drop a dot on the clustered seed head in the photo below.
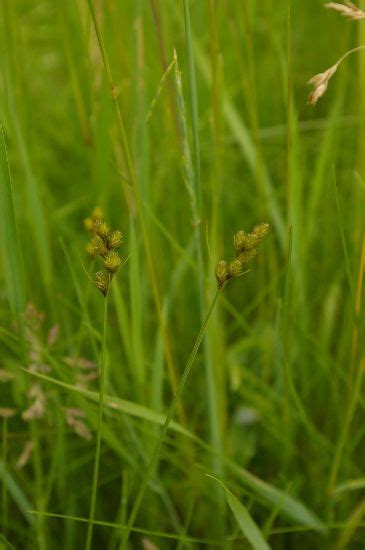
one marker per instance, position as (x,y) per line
(115,239)
(235,268)
(102,281)
(245,249)
(112,261)
(89,223)
(247,256)
(244,241)
(98,246)
(261,230)
(102,229)
(221,272)
(103,243)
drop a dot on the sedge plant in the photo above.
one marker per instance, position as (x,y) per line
(245,251)
(103,243)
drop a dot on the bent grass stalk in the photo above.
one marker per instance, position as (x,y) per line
(99,431)
(320,80)
(153,460)
(245,252)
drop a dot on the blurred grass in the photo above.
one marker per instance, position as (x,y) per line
(277,392)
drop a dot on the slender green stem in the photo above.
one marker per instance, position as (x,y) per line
(355,396)
(153,460)
(99,430)
(4,488)
(357,49)
(343,238)
(193,101)
(212,377)
(139,208)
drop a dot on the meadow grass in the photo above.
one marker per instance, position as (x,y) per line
(185,121)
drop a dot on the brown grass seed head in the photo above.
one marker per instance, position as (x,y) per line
(320,84)
(348,10)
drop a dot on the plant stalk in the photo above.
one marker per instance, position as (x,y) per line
(99,430)
(153,460)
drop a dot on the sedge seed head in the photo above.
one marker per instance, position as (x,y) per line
(221,273)
(103,243)
(112,261)
(102,281)
(98,246)
(115,239)
(244,241)
(102,229)
(261,230)
(235,268)
(247,256)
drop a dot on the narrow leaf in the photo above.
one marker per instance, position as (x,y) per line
(244,519)
(9,236)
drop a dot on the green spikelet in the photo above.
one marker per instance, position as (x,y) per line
(115,239)
(102,229)
(102,281)
(103,243)
(261,230)
(245,249)
(221,273)
(98,246)
(112,261)
(244,241)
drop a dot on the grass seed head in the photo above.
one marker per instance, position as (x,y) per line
(102,229)
(97,246)
(96,217)
(348,10)
(244,241)
(320,84)
(221,273)
(260,231)
(102,282)
(247,256)
(245,248)
(115,239)
(235,268)
(103,244)
(112,261)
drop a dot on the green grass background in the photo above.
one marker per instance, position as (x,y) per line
(276,389)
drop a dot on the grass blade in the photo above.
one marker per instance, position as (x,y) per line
(12,260)
(244,519)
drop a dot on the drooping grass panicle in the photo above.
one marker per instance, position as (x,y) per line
(320,81)
(320,84)
(348,10)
